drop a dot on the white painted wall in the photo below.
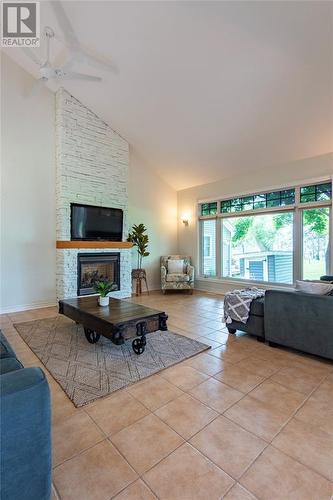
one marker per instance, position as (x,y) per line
(154,203)
(28,215)
(260,180)
(27,192)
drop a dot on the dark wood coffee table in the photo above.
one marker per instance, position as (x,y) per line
(118,322)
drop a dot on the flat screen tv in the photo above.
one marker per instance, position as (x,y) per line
(96,223)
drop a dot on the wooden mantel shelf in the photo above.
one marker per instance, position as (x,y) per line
(93,244)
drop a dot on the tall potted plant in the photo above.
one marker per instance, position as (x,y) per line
(140,240)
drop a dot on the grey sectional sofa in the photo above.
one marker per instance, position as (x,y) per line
(300,320)
(293,319)
(255,323)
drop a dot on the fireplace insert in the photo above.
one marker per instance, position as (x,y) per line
(93,267)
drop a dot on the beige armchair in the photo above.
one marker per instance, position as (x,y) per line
(183,279)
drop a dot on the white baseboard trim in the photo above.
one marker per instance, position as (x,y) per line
(152,288)
(223,286)
(41,304)
(26,307)
(210,287)
(199,285)
(156,288)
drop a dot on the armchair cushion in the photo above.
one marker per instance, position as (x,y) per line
(178,277)
(165,258)
(175,266)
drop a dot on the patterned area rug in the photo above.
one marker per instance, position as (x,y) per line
(86,371)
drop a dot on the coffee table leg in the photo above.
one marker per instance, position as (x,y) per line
(163,322)
(91,336)
(139,344)
(117,336)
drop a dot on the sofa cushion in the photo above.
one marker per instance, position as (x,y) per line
(9,365)
(5,349)
(257,307)
(177,277)
(326,278)
(314,287)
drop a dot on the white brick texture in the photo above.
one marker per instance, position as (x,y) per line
(91,168)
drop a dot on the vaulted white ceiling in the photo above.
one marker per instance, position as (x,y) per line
(206,90)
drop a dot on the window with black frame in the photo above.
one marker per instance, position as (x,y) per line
(259,201)
(276,236)
(316,192)
(209,208)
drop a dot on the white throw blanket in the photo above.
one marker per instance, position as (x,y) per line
(238,302)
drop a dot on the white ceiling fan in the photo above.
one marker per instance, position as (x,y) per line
(77,53)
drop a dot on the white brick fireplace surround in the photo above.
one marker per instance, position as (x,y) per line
(92,168)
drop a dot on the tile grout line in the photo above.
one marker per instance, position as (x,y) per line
(252,433)
(281,429)
(294,416)
(109,438)
(268,443)
(95,444)
(140,478)
(215,418)
(246,430)
(78,454)
(185,441)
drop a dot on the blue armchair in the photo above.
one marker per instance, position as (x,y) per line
(25,429)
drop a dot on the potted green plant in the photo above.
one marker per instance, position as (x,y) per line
(103,288)
(140,240)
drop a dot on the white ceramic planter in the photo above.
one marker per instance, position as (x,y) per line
(103,301)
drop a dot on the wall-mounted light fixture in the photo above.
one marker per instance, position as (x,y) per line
(185,219)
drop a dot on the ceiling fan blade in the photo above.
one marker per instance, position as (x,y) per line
(31,54)
(72,57)
(95,61)
(64,22)
(61,60)
(72,75)
(81,54)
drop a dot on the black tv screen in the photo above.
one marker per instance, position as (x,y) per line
(96,223)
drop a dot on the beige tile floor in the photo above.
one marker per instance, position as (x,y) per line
(239,422)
